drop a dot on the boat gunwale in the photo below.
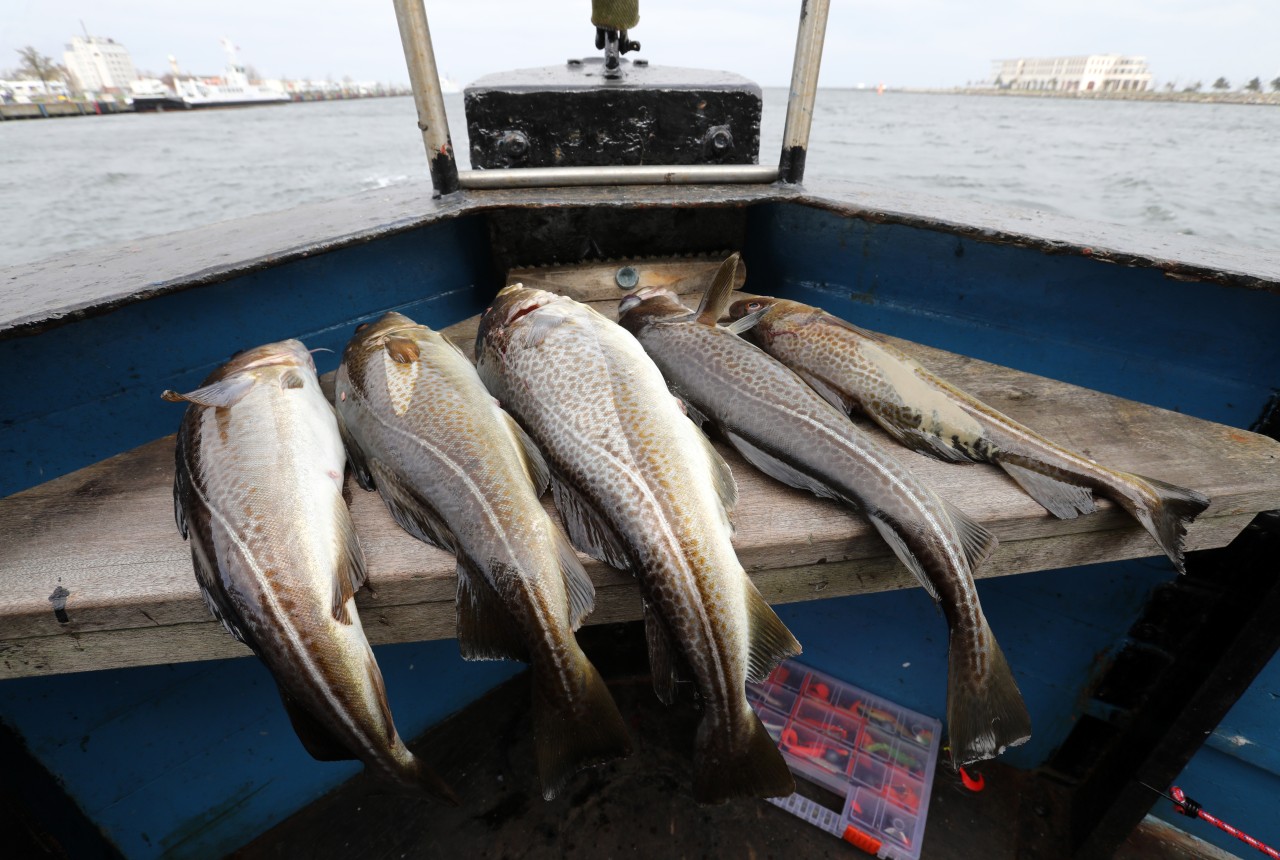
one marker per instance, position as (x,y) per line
(95,277)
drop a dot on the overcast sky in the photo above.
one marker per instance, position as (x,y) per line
(915,43)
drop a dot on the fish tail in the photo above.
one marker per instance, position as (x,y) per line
(1165,510)
(743,763)
(985,711)
(411,774)
(426,779)
(572,734)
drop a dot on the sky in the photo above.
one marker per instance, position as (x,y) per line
(901,43)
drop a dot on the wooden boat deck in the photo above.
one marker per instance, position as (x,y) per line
(93,573)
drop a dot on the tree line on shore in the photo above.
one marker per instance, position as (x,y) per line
(1254,85)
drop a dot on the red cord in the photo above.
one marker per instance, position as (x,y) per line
(1189,807)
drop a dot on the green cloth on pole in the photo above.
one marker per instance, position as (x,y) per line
(615,14)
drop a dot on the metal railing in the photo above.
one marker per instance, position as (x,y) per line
(415,35)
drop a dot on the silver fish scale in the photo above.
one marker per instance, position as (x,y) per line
(603,416)
(266,476)
(433,423)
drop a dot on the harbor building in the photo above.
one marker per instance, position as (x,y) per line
(1092,73)
(99,65)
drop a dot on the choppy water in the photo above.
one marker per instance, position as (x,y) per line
(1209,170)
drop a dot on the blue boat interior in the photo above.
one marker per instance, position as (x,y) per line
(195,759)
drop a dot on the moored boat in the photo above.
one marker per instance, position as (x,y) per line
(232,89)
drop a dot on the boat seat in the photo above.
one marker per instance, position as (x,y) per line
(94,575)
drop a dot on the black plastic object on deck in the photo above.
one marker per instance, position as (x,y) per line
(574,116)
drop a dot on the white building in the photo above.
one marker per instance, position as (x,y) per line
(98,64)
(1094,73)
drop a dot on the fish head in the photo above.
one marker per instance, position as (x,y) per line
(515,308)
(391,334)
(648,305)
(772,316)
(375,336)
(372,335)
(284,353)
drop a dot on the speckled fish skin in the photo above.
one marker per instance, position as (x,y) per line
(862,371)
(258,490)
(780,424)
(600,411)
(421,427)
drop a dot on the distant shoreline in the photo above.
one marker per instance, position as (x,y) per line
(1231,97)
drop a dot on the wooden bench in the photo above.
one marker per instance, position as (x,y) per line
(93,573)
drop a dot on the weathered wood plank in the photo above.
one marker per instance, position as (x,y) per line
(82,648)
(105,535)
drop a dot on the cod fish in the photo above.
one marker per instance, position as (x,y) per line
(258,490)
(860,371)
(640,488)
(781,426)
(456,471)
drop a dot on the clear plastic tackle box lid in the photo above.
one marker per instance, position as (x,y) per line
(864,765)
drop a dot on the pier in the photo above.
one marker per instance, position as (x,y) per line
(47,110)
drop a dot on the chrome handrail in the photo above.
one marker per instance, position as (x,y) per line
(415,36)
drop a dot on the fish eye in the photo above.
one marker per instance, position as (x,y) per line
(754,306)
(362,327)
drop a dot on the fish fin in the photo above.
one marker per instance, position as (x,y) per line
(898,544)
(204,564)
(355,456)
(744,324)
(223,394)
(978,542)
(318,740)
(577,585)
(695,414)
(1168,518)
(403,350)
(778,470)
(351,573)
(721,479)
(534,464)
(181,483)
(541,326)
(292,379)
(985,713)
(716,299)
(830,393)
(432,784)
(662,655)
(588,530)
(731,764)
(410,512)
(575,730)
(486,629)
(926,443)
(219,607)
(770,640)
(1060,498)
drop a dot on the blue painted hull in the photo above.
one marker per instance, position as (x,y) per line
(195,759)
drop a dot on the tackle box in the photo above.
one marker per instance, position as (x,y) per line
(864,766)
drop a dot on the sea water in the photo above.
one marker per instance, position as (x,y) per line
(1201,169)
